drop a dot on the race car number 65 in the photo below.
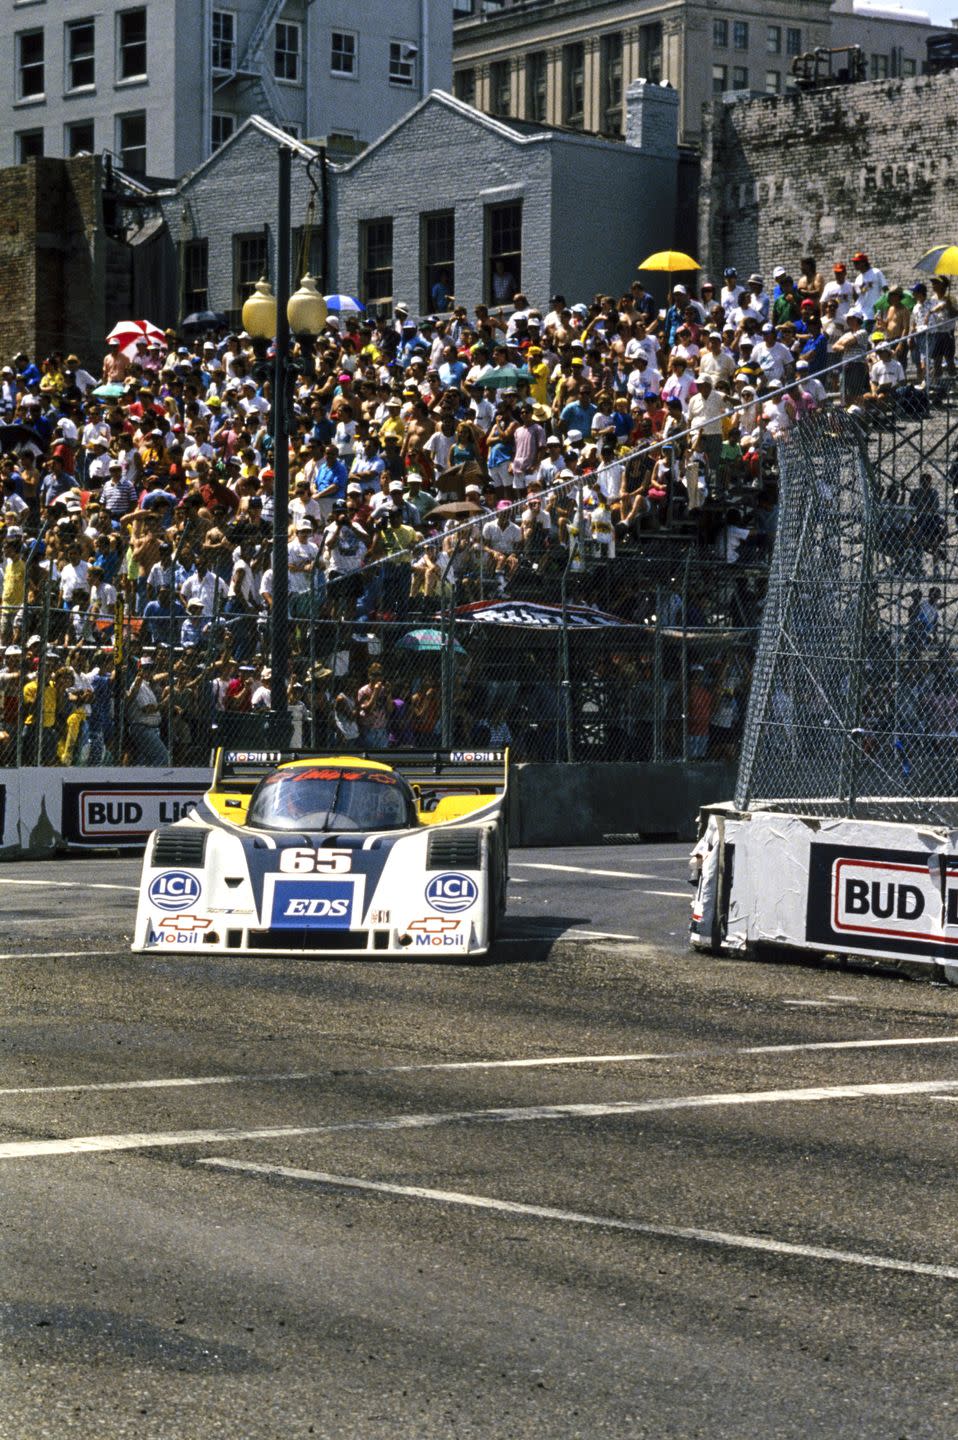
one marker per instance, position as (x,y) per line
(315,862)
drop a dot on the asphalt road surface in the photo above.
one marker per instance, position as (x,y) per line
(598,1187)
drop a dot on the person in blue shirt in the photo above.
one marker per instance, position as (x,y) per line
(332,476)
(323,428)
(815,348)
(156,617)
(452,368)
(578,414)
(441,295)
(27,372)
(675,314)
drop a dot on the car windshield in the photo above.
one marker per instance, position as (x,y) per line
(328,798)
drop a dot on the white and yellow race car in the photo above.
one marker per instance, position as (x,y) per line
(388,854)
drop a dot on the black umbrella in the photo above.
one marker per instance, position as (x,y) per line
(15,434)
(204,320)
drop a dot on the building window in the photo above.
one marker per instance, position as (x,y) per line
(402,62)
(464,86)
(250,263)
(30,71)
(131,141)
(79,54)
(342,53)
(773,82)
(224,41)
(223,126)
(720,34)
(650,52)
(78,138)
(196,276)
(610,72)
(132,44)
(376,249)
(573,85)
(773,40)
(504,251)
(439,261)
(739,78)
(500,94)
(719,79)
(740,34)
(793,41)
(879,67)
(908,67)
(29,145)
(286,52)
(536,91)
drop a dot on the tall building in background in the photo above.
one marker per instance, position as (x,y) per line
(569,62)
(162,84)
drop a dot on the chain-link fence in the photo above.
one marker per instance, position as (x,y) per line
(645,656)
(854,707)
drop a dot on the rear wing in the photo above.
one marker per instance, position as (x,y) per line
(434,774)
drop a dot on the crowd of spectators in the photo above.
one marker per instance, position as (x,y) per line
(475,454)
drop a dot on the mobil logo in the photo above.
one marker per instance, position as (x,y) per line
(451,893)
(174,890)
(314,905)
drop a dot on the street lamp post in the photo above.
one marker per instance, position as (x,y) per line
(271,317)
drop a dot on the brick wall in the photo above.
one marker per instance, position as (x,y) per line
(871,166)
(52,258)
(234,193)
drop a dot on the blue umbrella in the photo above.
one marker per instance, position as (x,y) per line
(110,392)
(343,305)
(423,640)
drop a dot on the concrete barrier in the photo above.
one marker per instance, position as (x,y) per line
(589,804)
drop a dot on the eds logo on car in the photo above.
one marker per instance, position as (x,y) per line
(451,893)
(174,890)
(313,906)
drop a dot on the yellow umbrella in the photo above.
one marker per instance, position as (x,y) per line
(939,260)
(671,260)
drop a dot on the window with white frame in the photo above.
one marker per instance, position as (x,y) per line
(342,53)
(78,138)
(376,249)
(793,41)
(131,141)
(222,127)
(739,77)
(30,66)
(773,82)
(773,42)
(131,43)
(79,48)
(719,79)
(286,52)
(402,62)
(224,41)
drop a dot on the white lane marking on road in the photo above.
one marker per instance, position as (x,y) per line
(182,1082)
(539,1062)
(144,1140)
(582,870)
(70,884)
(60,954)
(605,1222)
(818,1004)
(686,895)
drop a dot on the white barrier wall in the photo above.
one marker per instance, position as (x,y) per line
(43,810)
(859,887)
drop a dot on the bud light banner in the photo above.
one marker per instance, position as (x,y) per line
(124,814)
(894,902)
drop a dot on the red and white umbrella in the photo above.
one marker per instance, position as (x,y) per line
(128,332)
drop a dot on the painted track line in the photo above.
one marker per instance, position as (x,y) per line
(71,884)
(579,870)
(144,1140)
(604,1222)
(61,954)
(539,1062)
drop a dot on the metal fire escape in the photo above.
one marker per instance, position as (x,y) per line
(254,68)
